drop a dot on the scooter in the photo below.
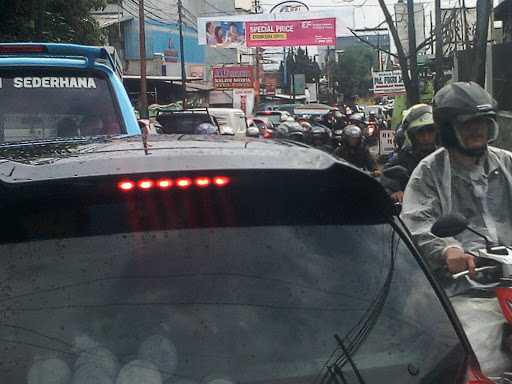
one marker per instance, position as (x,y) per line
(494,265)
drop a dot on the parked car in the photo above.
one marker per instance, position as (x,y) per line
(187,121)
(290,108)
(55,91)
(215,261)
(276,117)
(232,118)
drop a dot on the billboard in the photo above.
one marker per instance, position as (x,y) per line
(233,77)
(287,33)
(236,26)
(225,34)
(388,83)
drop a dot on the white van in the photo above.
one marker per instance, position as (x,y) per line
(232,118)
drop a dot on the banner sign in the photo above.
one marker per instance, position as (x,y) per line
(287,33)
(271,83)
(388,83)
(225,34)
(272,30)
(233,77)
(387,141)
(244,99)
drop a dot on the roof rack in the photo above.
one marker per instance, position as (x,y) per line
(90,53)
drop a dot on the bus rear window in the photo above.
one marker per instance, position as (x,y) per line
(42,105)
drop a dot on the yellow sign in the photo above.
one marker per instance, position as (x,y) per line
(268,36)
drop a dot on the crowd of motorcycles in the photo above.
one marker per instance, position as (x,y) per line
(330,132)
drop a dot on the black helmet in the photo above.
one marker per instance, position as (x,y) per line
(320,135)
(352,132)
(356,118)
(457,103)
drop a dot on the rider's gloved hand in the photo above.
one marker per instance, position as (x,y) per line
(458,261)
(398,197)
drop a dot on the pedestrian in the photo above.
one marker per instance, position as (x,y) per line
(474,179)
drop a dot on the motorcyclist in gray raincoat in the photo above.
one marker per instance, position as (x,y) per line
(469,177)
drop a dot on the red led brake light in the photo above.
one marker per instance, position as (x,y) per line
(146,184)
(184,182)
(221,181)
(202,182)
(17,49)
(163,184)
(126,185)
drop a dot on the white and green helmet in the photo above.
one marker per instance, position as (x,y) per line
(416,118)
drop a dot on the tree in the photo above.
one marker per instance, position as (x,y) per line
(353,71)
(299,62)
(50,20)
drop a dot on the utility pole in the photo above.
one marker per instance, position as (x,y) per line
(293,76)
(257,74)
(413,54)
(438,81)
(483,13)
(143,97)
(182,54)
(466,26)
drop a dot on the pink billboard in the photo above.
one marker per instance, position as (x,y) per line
(286,33)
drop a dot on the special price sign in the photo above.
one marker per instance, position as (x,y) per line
(286,33)
(236,77)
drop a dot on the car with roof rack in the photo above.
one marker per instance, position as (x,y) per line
(50,91)
(198,259)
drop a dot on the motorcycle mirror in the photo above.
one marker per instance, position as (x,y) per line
(450,225)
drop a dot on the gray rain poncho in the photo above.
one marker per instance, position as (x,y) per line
(483,194)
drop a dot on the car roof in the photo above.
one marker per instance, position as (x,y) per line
(167,153)
(55,55)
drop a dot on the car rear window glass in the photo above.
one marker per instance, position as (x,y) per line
(182,123)
(250,283)
(46,104)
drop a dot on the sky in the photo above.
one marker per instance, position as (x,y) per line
(364,13)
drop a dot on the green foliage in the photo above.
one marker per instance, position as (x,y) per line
(399,108)
(353,71)
(50,20)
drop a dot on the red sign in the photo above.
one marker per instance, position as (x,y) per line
(271,82)
(235,77)
(286,33)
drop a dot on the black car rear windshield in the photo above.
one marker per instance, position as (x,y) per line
(184,122)
(253,283)
(46,104)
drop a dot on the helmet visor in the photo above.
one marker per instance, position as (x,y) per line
(481,128)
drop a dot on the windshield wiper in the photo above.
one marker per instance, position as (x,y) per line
(334,372)
(350,361)
(50,142)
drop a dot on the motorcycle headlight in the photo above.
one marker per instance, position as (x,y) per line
(339,132)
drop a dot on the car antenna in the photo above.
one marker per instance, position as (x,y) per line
(145,132)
